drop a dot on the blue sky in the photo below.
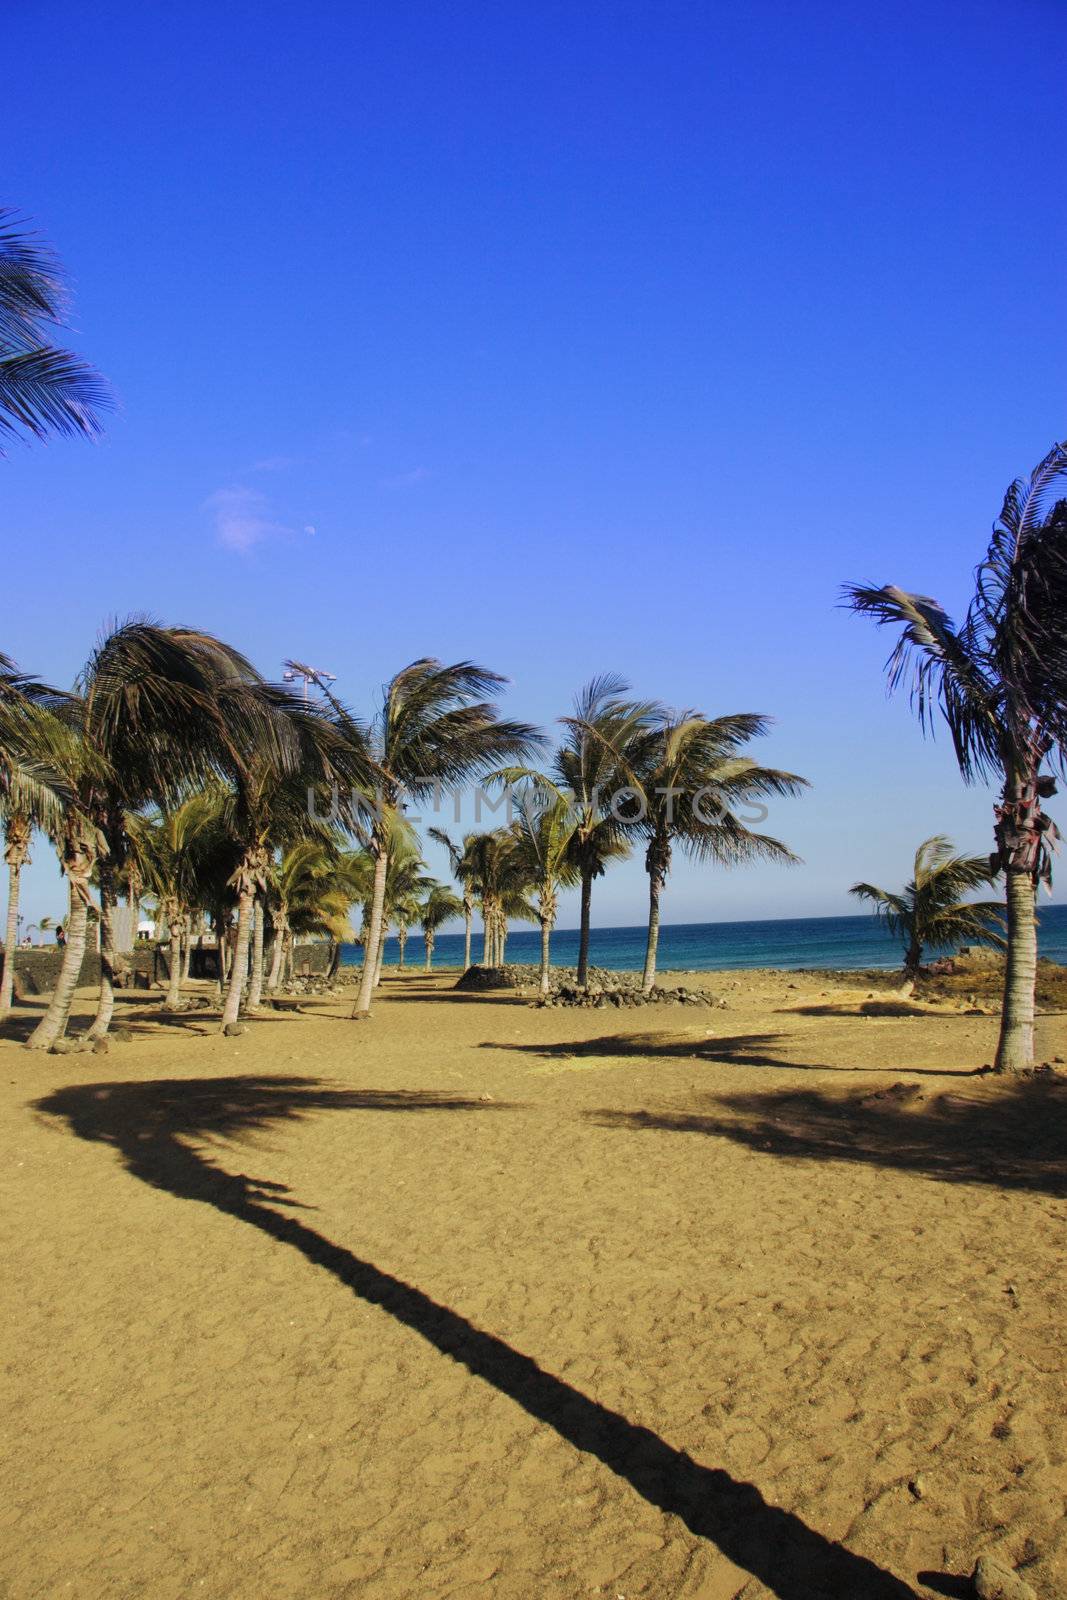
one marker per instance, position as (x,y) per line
(563,337)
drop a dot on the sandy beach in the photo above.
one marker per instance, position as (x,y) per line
(479,1300)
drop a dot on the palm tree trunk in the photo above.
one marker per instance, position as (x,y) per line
(913,956)
(428,938)
(53,1025)
(583,934)
(402,939)
(17,854)
(187,947)
(1015,1049)
(239,967)
(108,955)
(373,935)
(276,956)
(255,985)
(7,981)
(175,925)
(487,934)
(335,960)
(381,956)
(546,953)
(468,918)
(655,885)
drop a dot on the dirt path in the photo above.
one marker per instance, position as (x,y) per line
(475,1300)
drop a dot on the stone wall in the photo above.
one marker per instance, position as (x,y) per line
(36,970)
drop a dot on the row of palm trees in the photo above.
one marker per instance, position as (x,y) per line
(173,766)
(174,769)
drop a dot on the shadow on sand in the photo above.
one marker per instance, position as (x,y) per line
(736,1050)
(149,1124)
(1011,1135)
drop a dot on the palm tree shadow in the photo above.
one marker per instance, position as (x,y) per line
(1012,1137)
(149,1124)
(737,1050)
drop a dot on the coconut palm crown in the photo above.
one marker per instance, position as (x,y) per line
(930,912)
(688,782)
(44,389)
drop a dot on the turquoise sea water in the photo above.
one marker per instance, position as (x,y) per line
(709,946)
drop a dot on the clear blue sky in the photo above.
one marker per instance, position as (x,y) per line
(609,335)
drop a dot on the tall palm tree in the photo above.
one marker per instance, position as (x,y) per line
(437,728)
(591,765)
(439,906)
(457,859)
(687,780)
(930,910)
(44,389)
(544,830)
(999,682)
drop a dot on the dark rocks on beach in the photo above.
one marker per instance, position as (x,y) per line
(625,997)
(70,1047)
(616,989)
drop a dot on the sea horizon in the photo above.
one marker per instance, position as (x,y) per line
(785,943)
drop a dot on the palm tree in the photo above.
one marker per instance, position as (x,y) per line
(312,890)
(439,906)
(999,681)
(289,746)
(31,792)
(497,872)
(43,388)
(930,911)
(168,854)
(590,766)
(686,780)
(457,860)
(404,881)
(544,831)
(436,729)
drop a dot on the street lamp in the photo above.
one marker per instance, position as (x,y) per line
(308,675)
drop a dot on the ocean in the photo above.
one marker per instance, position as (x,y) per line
(787,943)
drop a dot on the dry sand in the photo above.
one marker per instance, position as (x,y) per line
(476,1300)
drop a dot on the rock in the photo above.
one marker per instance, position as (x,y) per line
(100,1047)
(66,1047)
(917,1485)
(233,1030)
(994,1582)
(121,1035)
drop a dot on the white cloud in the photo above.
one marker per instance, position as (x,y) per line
(242,517)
